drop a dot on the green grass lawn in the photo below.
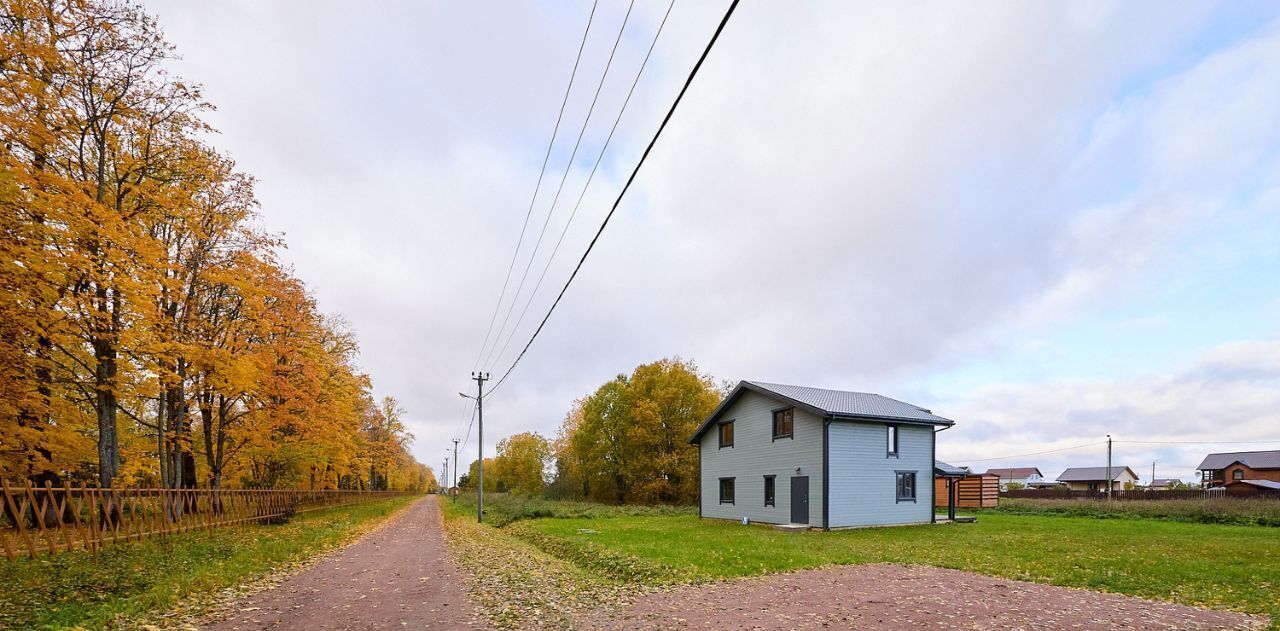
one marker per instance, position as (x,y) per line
(501,509)
(131,579)
(1231,567)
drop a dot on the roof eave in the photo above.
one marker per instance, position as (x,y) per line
(892,419)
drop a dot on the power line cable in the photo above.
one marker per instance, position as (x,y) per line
(590,177)
(1034,453)
(537,187)
(469,425)
(1200,442)
(666,119)
(568,167)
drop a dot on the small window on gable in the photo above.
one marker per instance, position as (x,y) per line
(892,447)
(1238,474)
(726,490)
(783,423)
(770,488)
(906,486)
(726,434)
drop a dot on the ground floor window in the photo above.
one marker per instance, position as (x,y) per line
(726,490)
(769,490)
(906,486)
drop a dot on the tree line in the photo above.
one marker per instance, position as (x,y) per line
(149,334)
(626,443)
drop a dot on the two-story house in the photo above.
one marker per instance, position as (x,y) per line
(783,454)
(1222,469)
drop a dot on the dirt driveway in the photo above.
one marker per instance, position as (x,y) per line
(398,577)
(886,596)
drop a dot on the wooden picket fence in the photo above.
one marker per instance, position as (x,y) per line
(58,519)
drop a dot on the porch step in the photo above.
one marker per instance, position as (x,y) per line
(791,527)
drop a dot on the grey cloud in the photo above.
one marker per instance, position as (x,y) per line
(852,195)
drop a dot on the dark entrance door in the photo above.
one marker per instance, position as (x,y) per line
(800,499)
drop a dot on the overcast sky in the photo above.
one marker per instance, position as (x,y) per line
(1047,221)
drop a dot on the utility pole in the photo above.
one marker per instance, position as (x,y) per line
(479,378)
(446,468)
(1108,467)
(1153,474)
(455,468)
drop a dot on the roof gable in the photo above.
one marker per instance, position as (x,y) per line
(835,403)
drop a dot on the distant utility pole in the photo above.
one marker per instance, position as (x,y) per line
(479,378)
(1108,467)
(1153,473)
(455,469)
(446,468)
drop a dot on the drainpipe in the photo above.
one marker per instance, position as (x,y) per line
(826,472)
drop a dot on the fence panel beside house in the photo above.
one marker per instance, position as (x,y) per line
(972,491)
(56,519)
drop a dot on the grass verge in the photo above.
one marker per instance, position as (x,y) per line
(517,584)
(129,580)
(1224,567)
(1239,512)
(501,509)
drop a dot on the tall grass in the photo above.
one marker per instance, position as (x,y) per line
(1241,512)
(501,509)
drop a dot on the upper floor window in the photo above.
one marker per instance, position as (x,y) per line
(892,446)
(726,434)
(783,423)
(1238,474)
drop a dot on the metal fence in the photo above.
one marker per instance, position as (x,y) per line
(1138,494)
(57,519)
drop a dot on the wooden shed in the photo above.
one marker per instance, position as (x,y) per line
(976,490)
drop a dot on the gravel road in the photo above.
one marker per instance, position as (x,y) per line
(398,577)
(886,596)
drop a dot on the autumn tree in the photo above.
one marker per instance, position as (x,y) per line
(521,463)
(147,332)
(628,444)
(470,479)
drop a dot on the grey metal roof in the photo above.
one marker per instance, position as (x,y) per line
(1251,459)
(862,404)
(1089,474)
(1015,473)
(947,470)
(1266,484)
(836,403)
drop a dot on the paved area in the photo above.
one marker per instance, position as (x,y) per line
(902,597)
(398,577)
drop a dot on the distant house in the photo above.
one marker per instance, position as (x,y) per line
(1238,466)
(1095,478)
(783,454)
(1163,484)
(1026,476)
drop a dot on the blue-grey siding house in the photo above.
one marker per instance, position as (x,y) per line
(827,458)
